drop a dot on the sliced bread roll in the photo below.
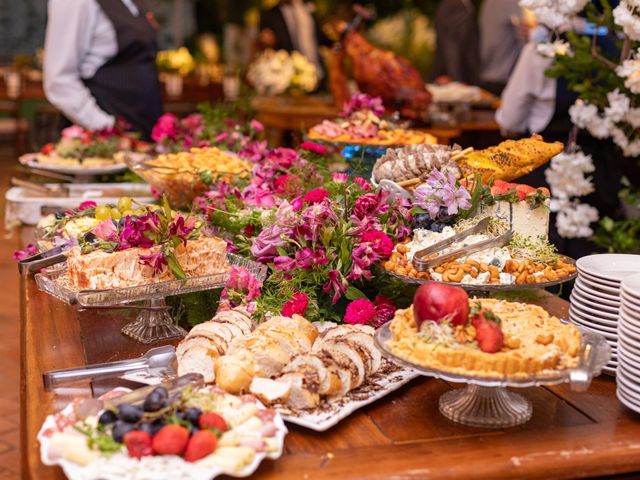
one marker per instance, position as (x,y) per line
(346,358)
(302,396)
(198,359)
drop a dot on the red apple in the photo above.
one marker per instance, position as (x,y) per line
(437,302)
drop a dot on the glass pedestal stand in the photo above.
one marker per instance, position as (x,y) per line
(486,402)
(485,407)
(153,324)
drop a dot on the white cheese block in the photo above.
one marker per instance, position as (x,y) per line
(521,218)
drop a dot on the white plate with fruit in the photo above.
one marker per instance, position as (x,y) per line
(191,432)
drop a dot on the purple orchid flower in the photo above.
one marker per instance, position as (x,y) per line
(336,284)
(156,260)
(284,263)
(265,245)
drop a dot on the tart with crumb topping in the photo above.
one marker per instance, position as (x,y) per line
(501,340)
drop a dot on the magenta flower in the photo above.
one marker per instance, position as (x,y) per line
(259,196)
(297,204)
(256,125)
(314,148)
(363,102)
(316,216)
(339,177)
(362,257)
(254,151)
(284,263)
(385,310)
(381,244)
(106,230)
(265,246)
(193,124)
(297,305)
(336,284)
(371,204)
(156,260)
(181,228)
(320,257)
(288,185)
(241,288)
(362,183)
(360,312)
(316,195)
(86,204)
(221,137)
(29,251)
(304,258)
(283,158)
(286,215)
(166,128)
(132,233)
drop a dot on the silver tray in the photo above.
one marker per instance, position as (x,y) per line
(486,402)
(488,287)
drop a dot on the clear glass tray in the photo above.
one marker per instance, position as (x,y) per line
(485,402)
(488,287)
(154,323)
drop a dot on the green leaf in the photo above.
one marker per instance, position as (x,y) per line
(175,267)
(354,293)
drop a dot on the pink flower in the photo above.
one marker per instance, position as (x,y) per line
(241,288)
(340,177)
(28,251)
(380,242)
(297,203)
(284,263)
(157,261)
(363,257)
(314,148)
(370,204)
(86,204)
(155,193)
(221,137)
(288,185)
(265,246)
(304,258)
(320,257)
(297,305)
(360,312)
(283,157)
(385,310)
(256,125)
(74,131)
(362,183)
(336,284)
(254,151)
(193,124)
(363,102)
(182,228)
(106,230)
(166,128)
(316,195)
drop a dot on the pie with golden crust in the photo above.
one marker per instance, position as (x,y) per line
(534,343)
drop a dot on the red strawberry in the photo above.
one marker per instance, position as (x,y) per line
(170,440)
(500,187)
(201,444)
(489,336)
(138,443)
(477,319)
(47,149)
(212,420)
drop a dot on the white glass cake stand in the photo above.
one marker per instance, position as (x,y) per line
(154,322)
(486,402)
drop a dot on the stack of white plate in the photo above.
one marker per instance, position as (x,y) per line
(595,299)
(628,373)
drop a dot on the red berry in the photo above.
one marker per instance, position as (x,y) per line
(47,149)
(212,420)
(489,336)
(201,444)
(138,443)
(170,440)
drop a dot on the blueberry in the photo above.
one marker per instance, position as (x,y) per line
(156,426)
(192,415)
(162,392)
(145,427)
(129,413)
(120,429)
(107,417)
(153,402)
(437,227)
(422,220)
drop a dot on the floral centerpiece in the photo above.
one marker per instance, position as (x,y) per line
(277,72)
(608,88)
(81,145)
(321,236)
(178,61)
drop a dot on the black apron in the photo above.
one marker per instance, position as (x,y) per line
(127,85)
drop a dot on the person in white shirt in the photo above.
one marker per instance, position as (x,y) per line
(99,63)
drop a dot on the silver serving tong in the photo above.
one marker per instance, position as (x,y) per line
(159,361)
(429,257)
(47,190)
(44,259)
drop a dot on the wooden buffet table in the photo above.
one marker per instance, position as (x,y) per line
(401,436)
